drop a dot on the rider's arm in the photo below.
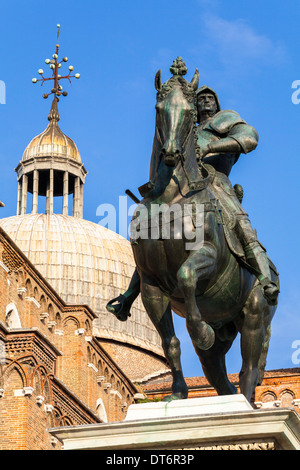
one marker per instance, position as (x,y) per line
(241,138)
(245,135)
(226,145)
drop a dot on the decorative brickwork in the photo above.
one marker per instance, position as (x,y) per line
(280,388)
(142,366)
(53,371)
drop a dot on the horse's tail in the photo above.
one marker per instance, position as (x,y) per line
(263,357)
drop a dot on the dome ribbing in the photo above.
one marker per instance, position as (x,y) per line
(86,264)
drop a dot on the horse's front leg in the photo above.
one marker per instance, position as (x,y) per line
(200,264)
(158,308)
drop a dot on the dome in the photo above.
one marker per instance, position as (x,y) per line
(86,264)
(51,166)
(52,142)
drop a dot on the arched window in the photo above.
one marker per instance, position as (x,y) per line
(36,293)
(268,397)
(112,381)
(89,355)
(286,397)
(87,327)
(12,318)
(51,312)
(101,410)
(28,286)
(58,319)
(43,303)
(100,368)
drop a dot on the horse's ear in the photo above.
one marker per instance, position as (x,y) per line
(195,80)
(157,81)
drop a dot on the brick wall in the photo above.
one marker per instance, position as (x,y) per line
(53,372)
(280,388)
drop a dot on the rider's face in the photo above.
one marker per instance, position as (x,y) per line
(206,103)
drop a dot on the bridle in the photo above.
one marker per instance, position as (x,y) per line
(198,184)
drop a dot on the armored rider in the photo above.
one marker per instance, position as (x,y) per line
(221,137)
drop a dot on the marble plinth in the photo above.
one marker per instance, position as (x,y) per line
(190,407)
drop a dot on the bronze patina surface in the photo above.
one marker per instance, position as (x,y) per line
(224,282)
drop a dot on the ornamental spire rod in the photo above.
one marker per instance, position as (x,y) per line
(55,65)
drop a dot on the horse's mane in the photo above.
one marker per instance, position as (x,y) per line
(170,84)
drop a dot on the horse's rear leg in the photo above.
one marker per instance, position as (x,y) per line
(158,307)
(201,264)
(257,317)
(213,363)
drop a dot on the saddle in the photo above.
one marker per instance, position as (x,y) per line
(222,190)
(229,208)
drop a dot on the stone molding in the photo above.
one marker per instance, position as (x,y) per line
(277,428)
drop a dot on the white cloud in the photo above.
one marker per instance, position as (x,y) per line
(236,42)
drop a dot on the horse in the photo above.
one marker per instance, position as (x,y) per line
(203,282)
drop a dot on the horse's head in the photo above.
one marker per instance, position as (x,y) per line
(175,112)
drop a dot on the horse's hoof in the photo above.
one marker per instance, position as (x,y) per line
(174,396)
(207,337)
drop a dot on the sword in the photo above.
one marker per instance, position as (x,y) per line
(132,196)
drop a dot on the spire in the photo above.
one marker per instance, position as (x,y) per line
(51,165)
(54,114)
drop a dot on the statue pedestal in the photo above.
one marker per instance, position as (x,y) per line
(190,407)
(223,422)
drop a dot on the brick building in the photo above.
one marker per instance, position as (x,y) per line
(53,371)
(279,388)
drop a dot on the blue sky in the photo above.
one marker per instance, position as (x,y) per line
(246,50)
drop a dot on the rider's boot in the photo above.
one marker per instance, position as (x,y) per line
(120,306)
(257,258)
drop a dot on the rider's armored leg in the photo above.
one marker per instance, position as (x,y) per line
(257,258)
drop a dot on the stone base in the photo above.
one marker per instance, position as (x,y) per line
(190,407)
(227,422)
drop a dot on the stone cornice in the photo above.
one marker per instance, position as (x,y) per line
(34,334)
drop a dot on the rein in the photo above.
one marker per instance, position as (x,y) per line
(201,182)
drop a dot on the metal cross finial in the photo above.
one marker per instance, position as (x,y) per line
(55,65)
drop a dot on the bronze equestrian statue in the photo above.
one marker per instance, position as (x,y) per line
(225,283)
